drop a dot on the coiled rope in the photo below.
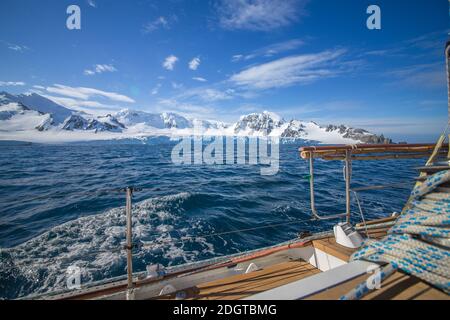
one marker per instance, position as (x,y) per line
(418,243)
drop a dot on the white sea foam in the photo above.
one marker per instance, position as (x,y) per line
(94,243)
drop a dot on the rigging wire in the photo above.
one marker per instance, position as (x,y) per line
(219,234)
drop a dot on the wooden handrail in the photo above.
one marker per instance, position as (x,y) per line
(336,152)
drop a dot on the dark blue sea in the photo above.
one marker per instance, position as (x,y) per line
(59,207)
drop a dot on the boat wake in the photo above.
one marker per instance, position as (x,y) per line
(95,245)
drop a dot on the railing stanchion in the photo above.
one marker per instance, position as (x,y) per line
(311,181)
(348,168)
(129,245)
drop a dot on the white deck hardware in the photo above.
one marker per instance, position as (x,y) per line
(168,289)
(130,294)
(347,236)
(252,267)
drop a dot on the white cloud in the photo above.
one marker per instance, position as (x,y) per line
(215,95)
(90,100)
(259,15)
(11,83)
(433,40)
(237,57)
(426,45)
(421,75)
(70,102)
(160,22)
(155,89)
(177,85)
(270,50)
(89,106)
(289,71)
(281,47)
(188,110)
(83,93)
(199,79)
(169,62)
(100,68)
(92,3)
(15,47)
(194,63)
(207,94)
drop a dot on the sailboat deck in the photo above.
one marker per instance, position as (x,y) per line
(244,285)
(398,286)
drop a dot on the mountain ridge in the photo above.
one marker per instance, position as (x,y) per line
(135,123)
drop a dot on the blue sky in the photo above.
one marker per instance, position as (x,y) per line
(219,59)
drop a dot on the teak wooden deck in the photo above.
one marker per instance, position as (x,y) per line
(398,286)
(244,285)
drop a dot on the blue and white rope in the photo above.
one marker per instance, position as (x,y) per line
(418,243)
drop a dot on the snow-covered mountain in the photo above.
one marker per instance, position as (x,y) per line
(156,120)
(20,121)
(258,124)
(17,117)
(99,124)
(357,134)
(270,124)
(39,103)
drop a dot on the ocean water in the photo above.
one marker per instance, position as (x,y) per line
(59,208)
